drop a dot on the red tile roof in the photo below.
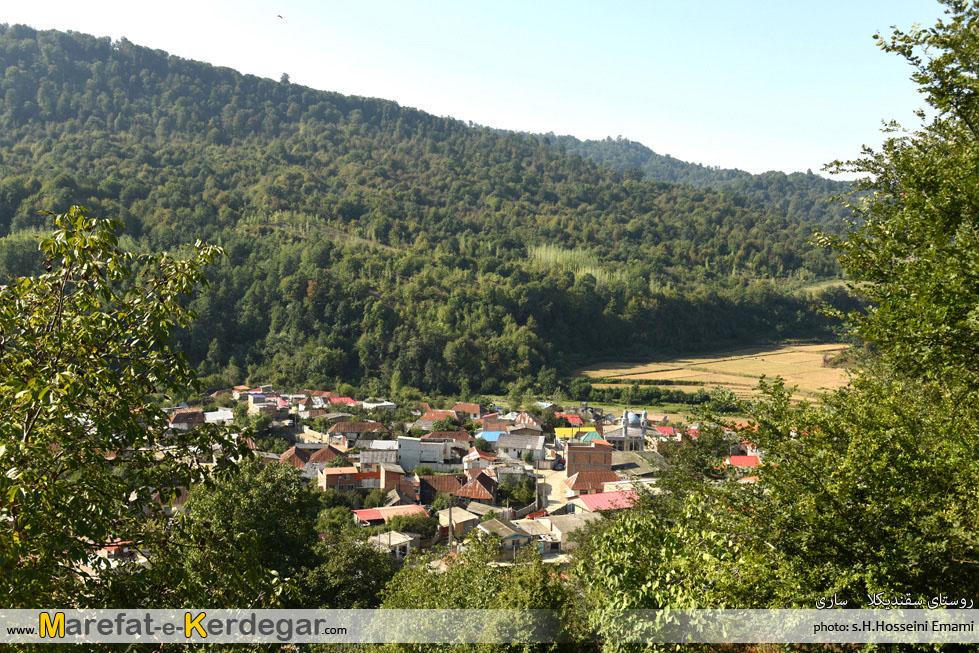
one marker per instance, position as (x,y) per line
(336,471)
(373,514)
(443,482)
(590,481)
(608,500)
(325,455)
(482,487)
(665,430)
(573,420)
(481,454)
(187,416)
(358,427)
(346,401)
(459,436)
(437,415)
(744,461)
(467,408)
(296,457)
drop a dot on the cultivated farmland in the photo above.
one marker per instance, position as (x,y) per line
(739,370)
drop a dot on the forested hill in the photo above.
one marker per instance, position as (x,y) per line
(802,195)
(370,240)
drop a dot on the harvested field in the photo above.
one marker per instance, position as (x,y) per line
(739,370)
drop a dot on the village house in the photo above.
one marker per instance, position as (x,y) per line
(477,459)
(352,431)
(481,510)
(391,476)
(431,485)
(263,404)
(523,418)
(516,446)
(494,422)
(380,516)
(491,437)
(540,534)
(427,421)
(561,526)
(371,459)
(461,436)
(571,419)
(462,522)
(467,411)
(502,470)
(394,544)
(343,479)
(441,456)
(593,457)
(480,489)
(589,482)
(239,391)
(398,497)
(379,405)
(637,465)
(602,501)
(573,432)
(310,458)
(220,416)
(511,536)
(744,461)
(185,419)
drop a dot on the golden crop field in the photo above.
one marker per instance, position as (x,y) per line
(738,370)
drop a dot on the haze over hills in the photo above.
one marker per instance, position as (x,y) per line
(370,240)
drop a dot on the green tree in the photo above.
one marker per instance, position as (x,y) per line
(268,517)
(339,461)
(83,347)
(334,520)
(420,524)
(349,574)
(913,243)
(442,501)
(469,581)
(375,498)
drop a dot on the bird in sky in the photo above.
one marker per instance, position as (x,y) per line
(279,15)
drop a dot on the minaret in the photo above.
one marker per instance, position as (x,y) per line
(643,426)
(625,430)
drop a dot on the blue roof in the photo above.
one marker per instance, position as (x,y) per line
(490,436)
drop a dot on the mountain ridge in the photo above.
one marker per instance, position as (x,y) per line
(371,240)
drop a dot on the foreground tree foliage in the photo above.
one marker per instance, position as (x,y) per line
(86,458)
(470,581)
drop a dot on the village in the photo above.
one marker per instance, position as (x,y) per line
(528,477)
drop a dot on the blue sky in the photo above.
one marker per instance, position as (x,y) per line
(755,85)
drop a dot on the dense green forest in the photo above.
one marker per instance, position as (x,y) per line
(801,195)
(365,239)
